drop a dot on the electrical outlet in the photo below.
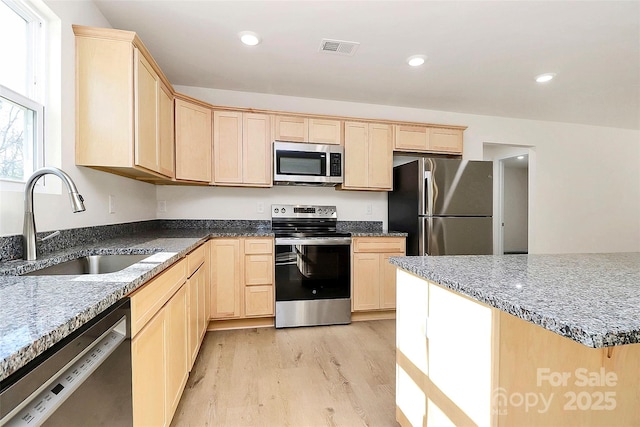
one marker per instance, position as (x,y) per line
(260,207)
(369,209)
(112,204)
(162,206)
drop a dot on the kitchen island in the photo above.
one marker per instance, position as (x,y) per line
(540,340)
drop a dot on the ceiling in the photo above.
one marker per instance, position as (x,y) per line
(482,55)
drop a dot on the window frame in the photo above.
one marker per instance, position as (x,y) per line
(35,97)
(38,129)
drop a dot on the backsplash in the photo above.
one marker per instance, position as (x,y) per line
(11,246)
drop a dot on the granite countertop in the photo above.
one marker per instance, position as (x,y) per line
(593,299)
(378,234)
(38,311)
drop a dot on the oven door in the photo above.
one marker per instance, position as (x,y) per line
(312,268)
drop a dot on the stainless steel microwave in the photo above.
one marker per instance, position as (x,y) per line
(307,164)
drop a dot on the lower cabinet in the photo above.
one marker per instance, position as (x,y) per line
(242,272)
(159,359)
(373,278)
(169,317)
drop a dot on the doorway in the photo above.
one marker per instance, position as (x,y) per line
(511,166)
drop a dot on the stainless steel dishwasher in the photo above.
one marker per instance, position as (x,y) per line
(84,380)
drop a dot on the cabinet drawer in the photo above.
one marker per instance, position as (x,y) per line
(258,246)
(258,301)
(195,259)
(258,269)
(149,299)
(379,244)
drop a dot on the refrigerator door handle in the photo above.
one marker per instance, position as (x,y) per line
(428,192)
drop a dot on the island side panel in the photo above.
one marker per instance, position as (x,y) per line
(444,356)
(547,379)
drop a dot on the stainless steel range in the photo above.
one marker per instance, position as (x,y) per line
(313,266)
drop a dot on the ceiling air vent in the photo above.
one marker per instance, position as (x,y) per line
(339,47)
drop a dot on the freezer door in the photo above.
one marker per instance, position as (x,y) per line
(458,187)
(456,236)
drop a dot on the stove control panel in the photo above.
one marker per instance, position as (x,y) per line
(303,211)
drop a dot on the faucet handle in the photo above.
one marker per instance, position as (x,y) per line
(50,236)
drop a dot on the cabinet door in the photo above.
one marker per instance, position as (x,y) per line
(148,373)
(194,297)
(146,88)
(177,353)
(256,149)
(258,301)
(200,277)
(388,285)
(258,269)
(198,318)
(448,140)
(225,278)
(412,138)
(325,131)
(380,173)
(227,147)
(289,128)
(356,136)
(193,142)
(366,282)
(166,149)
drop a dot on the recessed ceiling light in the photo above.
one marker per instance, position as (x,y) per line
(520,157)
(416,60)
(249,38)
(543,78)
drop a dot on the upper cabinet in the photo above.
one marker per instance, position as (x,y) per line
(307,129)
(426,139)
(124,110)
(368,156)
(242,149)
(130,121)
(193,141)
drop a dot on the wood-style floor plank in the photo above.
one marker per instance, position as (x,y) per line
(336,376)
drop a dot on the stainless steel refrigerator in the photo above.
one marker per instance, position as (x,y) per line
(445,206)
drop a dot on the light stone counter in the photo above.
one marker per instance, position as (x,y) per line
(593,299)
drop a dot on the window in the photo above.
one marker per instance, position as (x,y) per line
(21,91)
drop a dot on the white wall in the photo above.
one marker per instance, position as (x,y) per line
(135,201)
(585,194)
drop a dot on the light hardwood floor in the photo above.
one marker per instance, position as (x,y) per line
(341,375)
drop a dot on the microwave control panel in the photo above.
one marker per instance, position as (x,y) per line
(335,164)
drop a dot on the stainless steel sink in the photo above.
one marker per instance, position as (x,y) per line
(93,264)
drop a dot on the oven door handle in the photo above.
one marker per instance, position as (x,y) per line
(313,241)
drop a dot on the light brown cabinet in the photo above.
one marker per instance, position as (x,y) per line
(194,142)
(148,362)
(373,278)
(368,156)
(242,148)
(307,129)
(176,349)
(445,140)
(122,106)
(290,128)
(428,139)
(242,278)
(225,278)
(197,290)
(159,347)
(326,131)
